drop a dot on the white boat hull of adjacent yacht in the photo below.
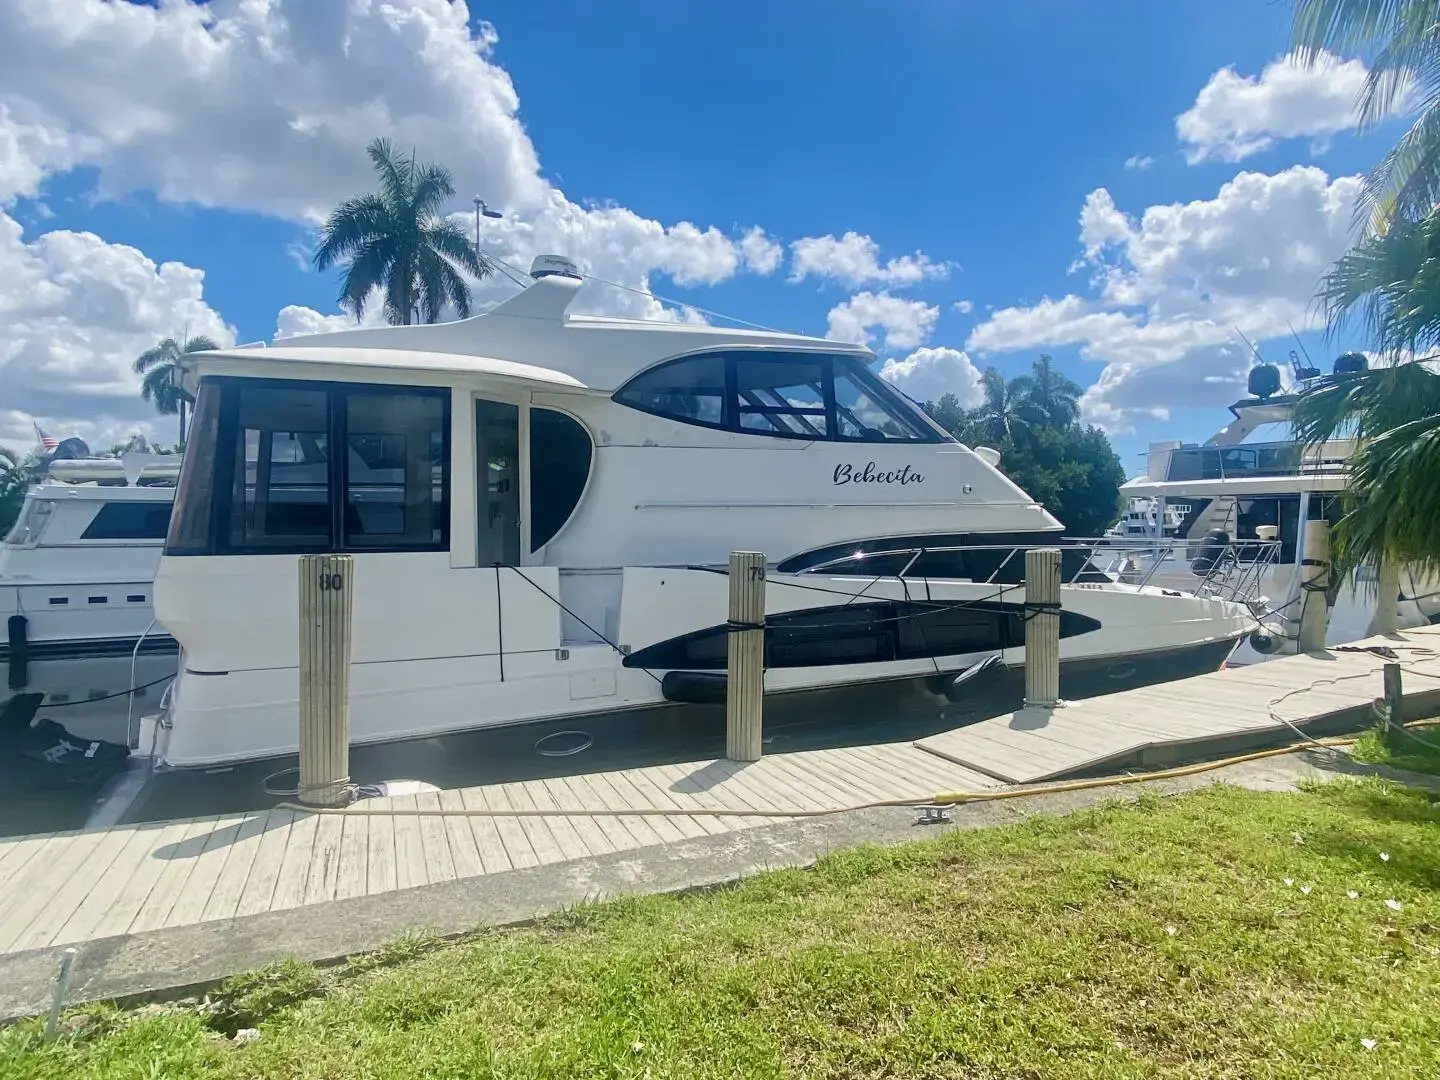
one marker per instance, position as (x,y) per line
(237,696)
(79,568)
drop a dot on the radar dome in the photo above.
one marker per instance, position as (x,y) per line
(1264,381)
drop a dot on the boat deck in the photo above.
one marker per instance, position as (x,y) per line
(76,887)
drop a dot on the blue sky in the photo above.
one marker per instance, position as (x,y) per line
(845,168)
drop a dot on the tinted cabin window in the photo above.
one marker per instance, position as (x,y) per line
(266,449)
(692,390)
(394,472)
(866,411)
(129,521)
(784,395)
(781,397)
(560,453)
(280,493)
(194,510)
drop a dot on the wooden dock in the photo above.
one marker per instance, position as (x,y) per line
(1224,711)
(75,887)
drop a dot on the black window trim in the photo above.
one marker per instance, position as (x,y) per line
(337,465)
(730,418)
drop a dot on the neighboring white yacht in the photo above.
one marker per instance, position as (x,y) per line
(1252,478)
(77,568)
(1140,517)
(540,507)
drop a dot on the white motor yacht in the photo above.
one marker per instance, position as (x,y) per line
(78,566)
(540,507)
(1252,479)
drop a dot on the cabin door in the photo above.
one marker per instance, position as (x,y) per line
(497,483)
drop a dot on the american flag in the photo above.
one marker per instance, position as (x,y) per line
(49,442)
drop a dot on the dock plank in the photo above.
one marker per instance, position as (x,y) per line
(58,870)
(294,870)
(464,852)
(135,893)
(353,876)
(323,878)
(380,871)
(66,922)
(410,869)
(435,841)
(230,885)
(189,906)
(486,834)
(259,889)
(180,859)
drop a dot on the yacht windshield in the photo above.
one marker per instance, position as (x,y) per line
(787,395)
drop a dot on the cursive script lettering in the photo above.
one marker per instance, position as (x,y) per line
(873,474)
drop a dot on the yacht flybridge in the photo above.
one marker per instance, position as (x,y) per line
(1252,479)
(540,507)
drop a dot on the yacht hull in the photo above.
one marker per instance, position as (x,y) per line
(237,696)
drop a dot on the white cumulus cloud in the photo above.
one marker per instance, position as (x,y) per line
(75,312)
(906,324)
(854,260)
(928,374)
(1173,285)
(1235,116)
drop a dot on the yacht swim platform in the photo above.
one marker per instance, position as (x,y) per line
(98,889)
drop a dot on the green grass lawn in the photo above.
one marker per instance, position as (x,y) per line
(1406,752)
(1225,933)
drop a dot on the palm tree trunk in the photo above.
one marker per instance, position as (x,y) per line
(182,421)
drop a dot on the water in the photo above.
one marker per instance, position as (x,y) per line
(86,696)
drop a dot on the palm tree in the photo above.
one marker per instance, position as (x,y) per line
(159,366)
(1049,394)
(1400,39)
(16,476)
(394,239)
(1392,500)
(1004,414)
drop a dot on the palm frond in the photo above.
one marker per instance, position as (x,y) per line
(163,353)
(350,226)
(366,272)
(1347,27)
(1407,178)
(433,185)
(200,343)
(450,240)
(396,172)
(1392,498)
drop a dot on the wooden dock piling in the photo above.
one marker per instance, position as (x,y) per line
(326,604)
(1042,628)
(1314,582)
(745,663)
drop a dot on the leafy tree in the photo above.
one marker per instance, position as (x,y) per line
(1046,394)
(159,366)
(395,240)
(1005,414)
(1072,471)
(1068,468)
(16,476)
